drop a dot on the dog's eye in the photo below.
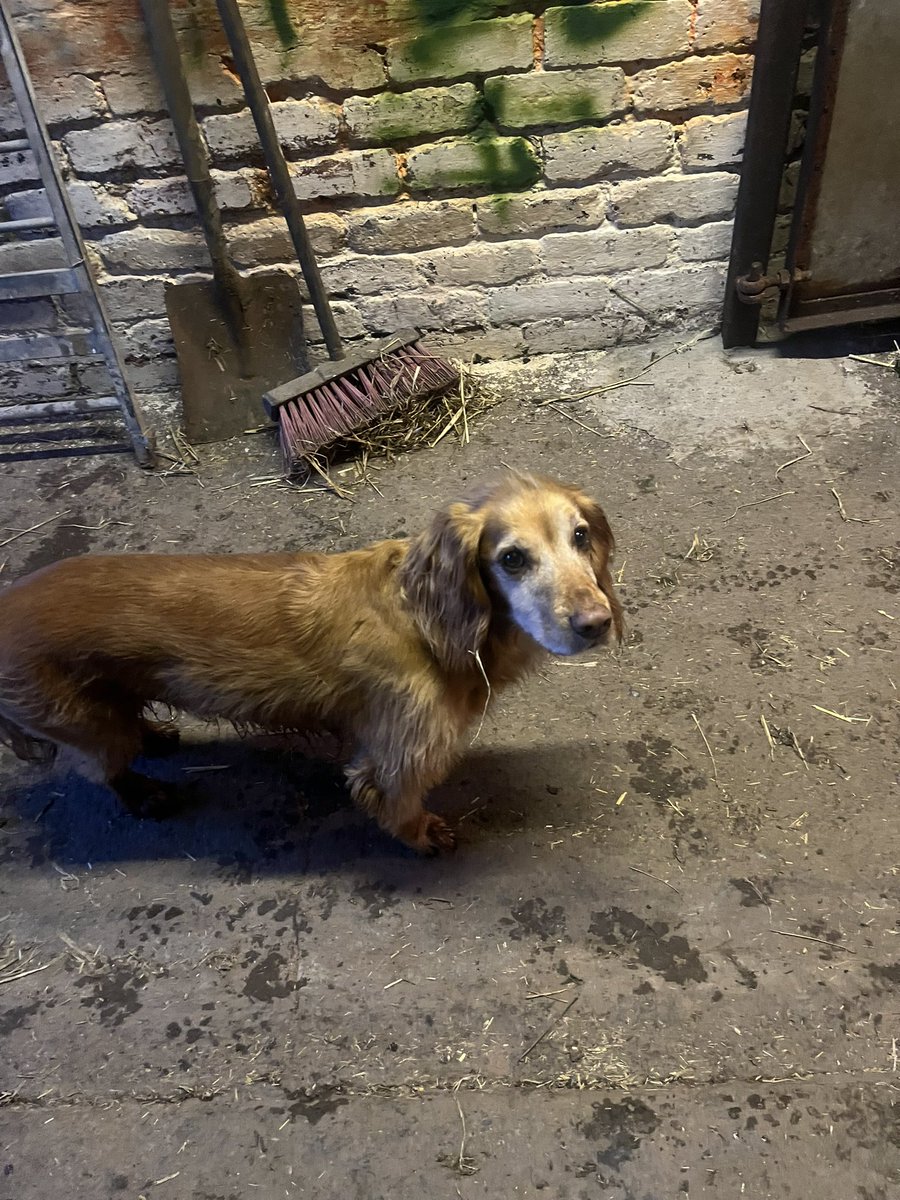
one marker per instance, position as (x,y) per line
(581,537)
(513,560)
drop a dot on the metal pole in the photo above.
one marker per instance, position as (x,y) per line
(278,170)
(170,69)
(778,46)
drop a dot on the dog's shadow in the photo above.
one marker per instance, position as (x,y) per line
(254,810)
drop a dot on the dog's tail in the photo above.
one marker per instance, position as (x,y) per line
(25,745)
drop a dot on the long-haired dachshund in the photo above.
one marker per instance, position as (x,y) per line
(397,648)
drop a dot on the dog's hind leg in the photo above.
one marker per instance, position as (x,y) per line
(397,806)
(106,731)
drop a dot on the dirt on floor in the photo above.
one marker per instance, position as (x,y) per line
(665,959)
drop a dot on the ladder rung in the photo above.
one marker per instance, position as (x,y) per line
(73,343)
(26,284)
(58,408)
(76,277)
(27,223)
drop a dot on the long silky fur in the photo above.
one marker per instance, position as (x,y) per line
(381,647)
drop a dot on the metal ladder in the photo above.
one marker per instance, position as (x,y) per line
(74,278)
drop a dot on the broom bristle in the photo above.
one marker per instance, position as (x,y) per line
(309,423)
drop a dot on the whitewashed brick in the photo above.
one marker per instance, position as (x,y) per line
(479,345)
(122,145)
(674,291)
(540,211)
(684,198)
(555,335)
(805,71)
(139,92)
(130,95)
(348,321)
(156,374)
(321,64)
(556,97)
(724,23)
(403,116)
(68,98)
(427,310)
(451,51)
(482,264)
(713,142)
(605,251)
(146,339)
(96,207)
(722,79)
(354,173)
(411,226)
(18,167)
(268,240)
(615,32)
(173,197)
(499,164)
(369,274)
(134,297)
(556,298)
(644,147)
(704,243)
(27,205)
(301,125)
(790,181)
(38,254)
(153,250)
(93,204)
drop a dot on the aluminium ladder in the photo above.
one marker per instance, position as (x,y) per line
(73,279)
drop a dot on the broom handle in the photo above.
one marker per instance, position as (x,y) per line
(278,170)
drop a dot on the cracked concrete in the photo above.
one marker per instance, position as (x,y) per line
(663,961)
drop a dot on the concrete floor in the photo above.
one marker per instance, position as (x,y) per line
(664,961)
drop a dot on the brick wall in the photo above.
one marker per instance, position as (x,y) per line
(552,177)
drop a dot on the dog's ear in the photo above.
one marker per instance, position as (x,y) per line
(603,546)
(443,585)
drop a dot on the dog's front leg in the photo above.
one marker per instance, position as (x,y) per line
(397,806)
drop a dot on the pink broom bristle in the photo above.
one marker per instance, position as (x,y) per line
(347,404)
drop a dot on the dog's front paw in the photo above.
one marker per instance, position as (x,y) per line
(436,837)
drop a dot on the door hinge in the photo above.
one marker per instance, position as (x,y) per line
(757,288)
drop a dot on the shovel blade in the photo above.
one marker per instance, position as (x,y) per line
(222,381)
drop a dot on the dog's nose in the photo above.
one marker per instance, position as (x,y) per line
(591,624)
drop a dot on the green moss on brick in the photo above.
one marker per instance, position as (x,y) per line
(554,97)
(397,125)
(465,47)
(498,164)
(281,19)
(573,108)
(510,164)
(445,12)
(500,205)
(587,23)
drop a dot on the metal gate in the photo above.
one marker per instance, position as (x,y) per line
(843,255)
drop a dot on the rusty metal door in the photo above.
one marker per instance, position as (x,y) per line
(844,253)
(843,256)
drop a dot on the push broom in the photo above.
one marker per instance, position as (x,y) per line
(352,391)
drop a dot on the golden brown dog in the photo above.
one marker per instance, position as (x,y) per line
(391,647)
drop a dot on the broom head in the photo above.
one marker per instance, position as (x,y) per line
(343,397)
